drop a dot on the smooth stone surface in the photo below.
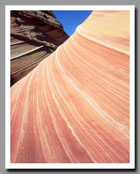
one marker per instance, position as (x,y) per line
(74,106)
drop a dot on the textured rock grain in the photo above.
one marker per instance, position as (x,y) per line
(31,30)
(74,106)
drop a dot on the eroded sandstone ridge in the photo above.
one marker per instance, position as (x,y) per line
(34,34)
(74,106)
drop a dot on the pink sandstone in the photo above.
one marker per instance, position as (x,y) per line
(74,106)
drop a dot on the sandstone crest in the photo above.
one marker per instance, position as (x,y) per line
(74,106)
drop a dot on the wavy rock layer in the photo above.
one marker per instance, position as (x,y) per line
(34,35)
(74,106)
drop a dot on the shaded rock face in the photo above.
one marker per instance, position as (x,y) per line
(74,106)
(34,35)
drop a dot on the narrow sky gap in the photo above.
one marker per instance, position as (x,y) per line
(70,19)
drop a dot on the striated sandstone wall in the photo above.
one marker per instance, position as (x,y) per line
(34,35)
(74,106)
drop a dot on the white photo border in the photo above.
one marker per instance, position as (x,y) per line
(8,164)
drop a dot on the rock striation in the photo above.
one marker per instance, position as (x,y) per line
(74,106)
(34,35)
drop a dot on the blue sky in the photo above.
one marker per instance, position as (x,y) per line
(70,19)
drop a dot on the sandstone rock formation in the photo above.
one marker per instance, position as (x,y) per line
(34,35)
(74,106)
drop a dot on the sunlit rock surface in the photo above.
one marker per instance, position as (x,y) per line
(34,35)
(74,106)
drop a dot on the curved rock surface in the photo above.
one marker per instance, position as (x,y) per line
(34,35)
(74,106)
